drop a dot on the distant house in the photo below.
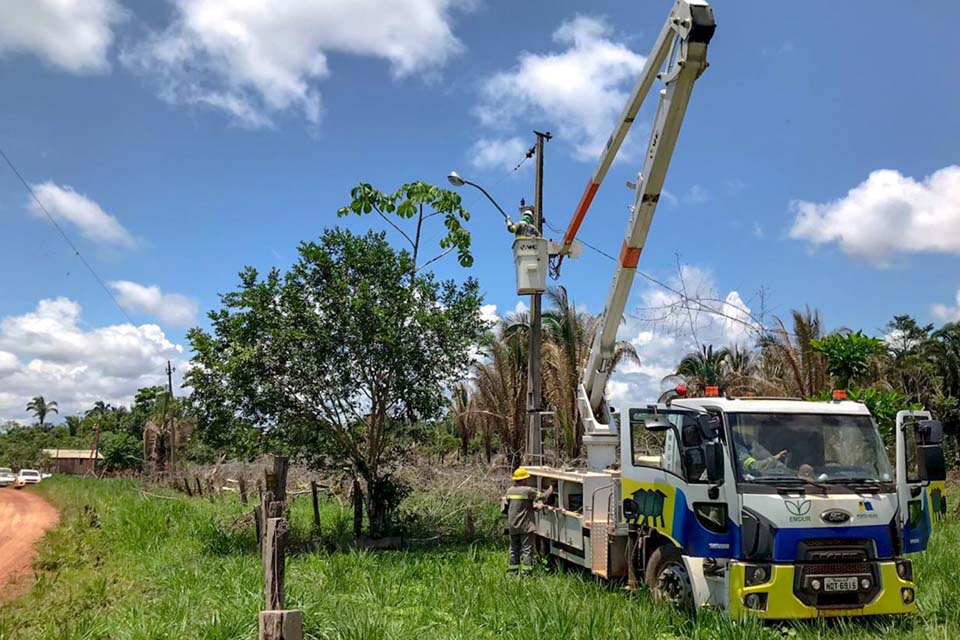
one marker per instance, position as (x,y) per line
(73,461)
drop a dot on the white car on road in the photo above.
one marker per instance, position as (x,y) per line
(7,477)
(25,477)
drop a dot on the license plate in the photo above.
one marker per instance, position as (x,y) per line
(840,584)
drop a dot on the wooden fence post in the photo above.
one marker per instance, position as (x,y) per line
(186,486)
(199,488)
(276,623)
(243,490)
(280,466)
(274,554)
(469,528)
(281,625)
(316,507)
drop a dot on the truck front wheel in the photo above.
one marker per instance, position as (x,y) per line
(668,579)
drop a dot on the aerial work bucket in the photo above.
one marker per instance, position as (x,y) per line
(530,257)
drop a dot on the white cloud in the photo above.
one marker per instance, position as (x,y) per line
(488,313)
(659,328)
(257,59)
(579,90)
(946,313)
(697,195)
(886,214)
(498,153)
(93,223)
(170,308)
(48,352)
(74,35)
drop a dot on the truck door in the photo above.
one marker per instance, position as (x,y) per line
(921,472)
(665,479)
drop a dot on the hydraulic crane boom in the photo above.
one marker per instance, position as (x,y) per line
(678,58)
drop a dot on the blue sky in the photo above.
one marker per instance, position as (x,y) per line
(176,142)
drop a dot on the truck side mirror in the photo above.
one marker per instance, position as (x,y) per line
(929,432)
(931,465)
(654,423)
(714,462)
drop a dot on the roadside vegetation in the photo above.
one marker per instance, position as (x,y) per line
(131,563)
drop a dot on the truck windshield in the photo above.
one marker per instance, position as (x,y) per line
(808,447)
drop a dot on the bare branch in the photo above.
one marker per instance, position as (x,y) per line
(393,224)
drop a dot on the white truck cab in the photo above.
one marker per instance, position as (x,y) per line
(769,507)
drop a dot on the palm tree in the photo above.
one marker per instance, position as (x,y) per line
(789,362)
(464,422)
(74,424)
(704,368)
(944,351)
(502,391)
(40,408)
(569,336)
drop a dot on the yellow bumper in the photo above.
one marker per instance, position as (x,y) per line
(782,604)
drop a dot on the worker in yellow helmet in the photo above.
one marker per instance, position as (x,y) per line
(519,505)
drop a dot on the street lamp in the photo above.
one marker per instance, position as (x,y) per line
(457,181)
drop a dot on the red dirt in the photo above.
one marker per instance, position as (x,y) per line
(24,518)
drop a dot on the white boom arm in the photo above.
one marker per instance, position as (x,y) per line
(680,52)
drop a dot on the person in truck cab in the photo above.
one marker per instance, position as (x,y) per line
(754,459)
(519,505)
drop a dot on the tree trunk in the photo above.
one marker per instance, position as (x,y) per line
(357,509)
(378,513)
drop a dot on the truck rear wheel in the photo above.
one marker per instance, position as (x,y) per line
(667,577)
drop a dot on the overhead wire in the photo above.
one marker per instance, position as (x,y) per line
(686,299)
(64,235)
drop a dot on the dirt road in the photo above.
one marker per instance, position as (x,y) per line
(24,517)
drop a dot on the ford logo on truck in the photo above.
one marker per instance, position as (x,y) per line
(835,516)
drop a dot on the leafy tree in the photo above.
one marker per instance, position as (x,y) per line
(408,203)
(121,451)
(339,358)
(908,365)
(848,355)
(41,408)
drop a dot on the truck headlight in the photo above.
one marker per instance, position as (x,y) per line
(757,574)
(905,570)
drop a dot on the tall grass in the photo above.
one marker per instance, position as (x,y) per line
(125,566)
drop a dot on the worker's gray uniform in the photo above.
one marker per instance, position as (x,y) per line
(521,525)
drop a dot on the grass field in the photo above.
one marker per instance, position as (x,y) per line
(122,565)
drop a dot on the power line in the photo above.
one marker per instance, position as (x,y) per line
(66,238)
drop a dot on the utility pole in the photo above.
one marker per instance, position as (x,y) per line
(534,377)
(170,371)
(172,427)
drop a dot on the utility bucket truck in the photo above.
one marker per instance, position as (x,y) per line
(775,508)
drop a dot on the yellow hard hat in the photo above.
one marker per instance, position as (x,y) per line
(520,474)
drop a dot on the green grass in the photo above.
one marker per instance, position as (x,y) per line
(123,566)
